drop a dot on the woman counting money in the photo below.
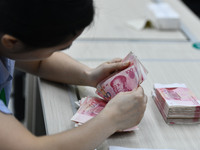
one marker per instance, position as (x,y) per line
(32,34)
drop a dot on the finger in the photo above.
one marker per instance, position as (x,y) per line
(115,60)
(140,90)
(137,90)
(145,99)
(120,65)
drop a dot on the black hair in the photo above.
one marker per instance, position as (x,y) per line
(44,23)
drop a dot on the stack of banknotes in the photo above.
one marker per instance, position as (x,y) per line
(176,103)
(121,81)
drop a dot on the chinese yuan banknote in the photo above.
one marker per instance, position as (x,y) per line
(177,103)
(177,96)
(125,80)
(89,108)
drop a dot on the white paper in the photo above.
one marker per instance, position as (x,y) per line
(123,148)
(138,23)
(173,85)
(163,16)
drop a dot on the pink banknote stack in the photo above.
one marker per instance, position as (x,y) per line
(125,80)
(122,81)
(176,103)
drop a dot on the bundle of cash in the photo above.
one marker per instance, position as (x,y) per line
(176,103)
(89,108)
(122,81)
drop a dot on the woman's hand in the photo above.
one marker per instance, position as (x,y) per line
(104,70)
(126,109)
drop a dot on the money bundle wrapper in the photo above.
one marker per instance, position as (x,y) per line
(123,81)
(89,108)
(176,103)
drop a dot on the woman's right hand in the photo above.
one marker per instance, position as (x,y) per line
(126,109)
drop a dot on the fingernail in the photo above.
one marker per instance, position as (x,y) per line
(126,63)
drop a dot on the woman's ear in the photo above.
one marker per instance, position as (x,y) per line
(8,41)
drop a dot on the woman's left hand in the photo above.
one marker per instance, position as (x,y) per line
(104,70)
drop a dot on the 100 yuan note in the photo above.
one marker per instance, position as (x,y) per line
(125,80)
(90,107)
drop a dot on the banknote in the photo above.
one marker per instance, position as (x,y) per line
(177,120)
(134,61)
(177,103)
(174,112)
(178,96)
(89,108)
(122,81)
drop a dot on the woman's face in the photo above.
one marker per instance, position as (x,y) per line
(37,54)
(20,53)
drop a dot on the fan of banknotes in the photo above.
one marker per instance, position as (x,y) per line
(122,81)
(125,80)
(176,103)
